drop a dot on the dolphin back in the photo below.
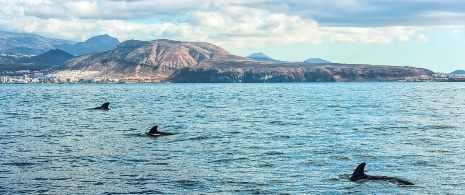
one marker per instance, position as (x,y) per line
(360,176)
(391,179)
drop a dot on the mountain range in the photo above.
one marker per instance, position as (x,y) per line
(31,44)
(28,44)
(175,61)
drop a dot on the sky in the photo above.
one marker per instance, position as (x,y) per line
(420,33)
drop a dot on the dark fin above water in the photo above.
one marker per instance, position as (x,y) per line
(359,176)
(153,130)
(104,106)
(359,173)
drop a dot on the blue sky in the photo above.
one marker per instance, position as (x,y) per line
(420,33)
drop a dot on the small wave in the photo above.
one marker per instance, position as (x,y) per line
(228,160)
(266,165)
(189,184)
(19,164)
(421,163)
(323,152)
(341,157)
(273,153)
(199,138)
(135,192)
(438,127)
(366,157)
(52,179)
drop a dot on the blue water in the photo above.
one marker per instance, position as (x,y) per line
(292,138)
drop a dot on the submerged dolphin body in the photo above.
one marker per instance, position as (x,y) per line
(360,176)
(154,132)
(104,106)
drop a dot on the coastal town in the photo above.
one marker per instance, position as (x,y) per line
(65,77)
(39,77)
(83,77)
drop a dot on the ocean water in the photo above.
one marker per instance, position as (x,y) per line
(285,138)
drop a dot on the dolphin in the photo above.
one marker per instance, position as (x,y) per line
(104,106)
(154,132)
(360,176)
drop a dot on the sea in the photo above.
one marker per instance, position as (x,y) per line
(262,138)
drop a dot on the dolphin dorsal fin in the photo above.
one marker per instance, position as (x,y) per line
(153,130)
(105,105)
(359,171)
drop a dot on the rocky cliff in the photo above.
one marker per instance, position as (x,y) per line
(295,72)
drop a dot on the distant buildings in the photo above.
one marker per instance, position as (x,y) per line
(68,76)
(77,76)
(421,78)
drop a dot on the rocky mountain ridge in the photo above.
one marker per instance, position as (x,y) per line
(295,72)
(174,61)
(154,59)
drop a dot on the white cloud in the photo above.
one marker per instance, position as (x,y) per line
(369,35)
(233,23)
(422,38)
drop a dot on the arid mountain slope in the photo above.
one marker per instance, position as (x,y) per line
(153,59)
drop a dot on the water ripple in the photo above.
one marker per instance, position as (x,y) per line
(302,138)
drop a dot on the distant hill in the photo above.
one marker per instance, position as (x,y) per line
(54,57)
(458,72)
(29,44)
(92,45)
(262,57)
(45,61)
(316,61)
(155,59)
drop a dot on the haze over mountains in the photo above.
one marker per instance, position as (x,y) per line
(175,61)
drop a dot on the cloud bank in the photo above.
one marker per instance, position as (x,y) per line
(234,22)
